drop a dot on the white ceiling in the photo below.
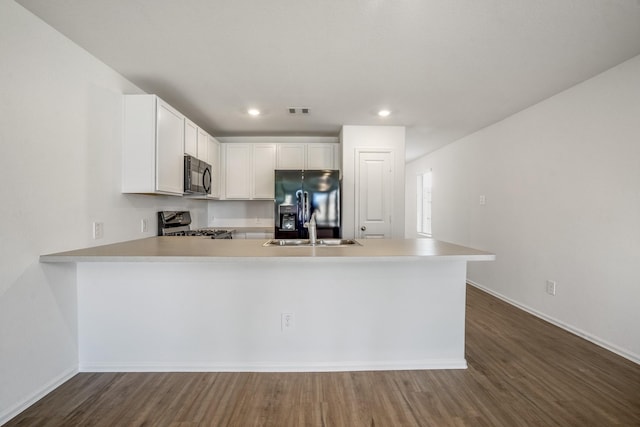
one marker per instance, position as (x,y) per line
(446,68)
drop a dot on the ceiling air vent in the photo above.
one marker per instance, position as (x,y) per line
(304,111)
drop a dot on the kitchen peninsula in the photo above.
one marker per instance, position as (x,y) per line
(196,304)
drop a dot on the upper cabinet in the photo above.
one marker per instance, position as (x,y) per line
(264,165)
(214,161)
(307,156)
(153,146)
(249,171)
(157,136)
(237,175)
(203,146)
(322,156)
(292,156)
(248,163)
(190,138)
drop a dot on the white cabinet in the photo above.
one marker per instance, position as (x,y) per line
(264,165)
(190,138)
(249,171)
(248,167)
(321,156)
(237,174)
(153,146)
(214,161)
(203,146)
(291,156)
(307,156)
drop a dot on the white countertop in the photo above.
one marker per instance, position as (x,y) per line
(199,249)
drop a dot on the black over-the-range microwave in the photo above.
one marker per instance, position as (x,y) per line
(197,176)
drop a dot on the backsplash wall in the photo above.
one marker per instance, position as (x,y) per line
(240,213)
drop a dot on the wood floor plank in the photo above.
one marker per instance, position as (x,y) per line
(522,372)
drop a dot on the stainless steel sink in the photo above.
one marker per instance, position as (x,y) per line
(332,243)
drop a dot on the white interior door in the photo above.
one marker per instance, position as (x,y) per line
(374,196)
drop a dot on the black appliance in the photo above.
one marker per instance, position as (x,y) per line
(197,176)
(300,193)
(178,223)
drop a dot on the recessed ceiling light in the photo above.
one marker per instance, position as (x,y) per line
(253,112)
(384,113)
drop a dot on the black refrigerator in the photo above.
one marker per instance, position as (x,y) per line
(300,193)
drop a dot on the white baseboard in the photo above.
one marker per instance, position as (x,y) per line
(8,414)
(569,328)
(275,367)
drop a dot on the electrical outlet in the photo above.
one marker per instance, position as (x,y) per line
(98,230)
(144,225)
(551,287)
(483,200)
(286,320)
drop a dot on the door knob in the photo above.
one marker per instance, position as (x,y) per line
(363,228)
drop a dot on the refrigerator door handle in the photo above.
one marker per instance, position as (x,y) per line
(300,209)
(306,207)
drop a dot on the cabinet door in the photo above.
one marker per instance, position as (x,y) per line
(291,156)
(264,164)
(320,156)
(190,138)
(203,145)
(214,161)
(237,174)
(169,150)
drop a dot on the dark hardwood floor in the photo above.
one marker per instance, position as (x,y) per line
(522,372)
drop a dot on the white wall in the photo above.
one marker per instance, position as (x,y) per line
(226,315)
(241,213)
(60,142)
(353,137)
(562,187)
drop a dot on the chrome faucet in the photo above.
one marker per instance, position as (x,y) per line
(311,225)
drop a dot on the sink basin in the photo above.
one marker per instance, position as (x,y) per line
(332,243)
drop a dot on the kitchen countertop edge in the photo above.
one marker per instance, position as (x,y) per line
(197,249)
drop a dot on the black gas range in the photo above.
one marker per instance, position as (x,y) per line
(178,223)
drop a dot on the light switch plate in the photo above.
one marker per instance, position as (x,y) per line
(98,230)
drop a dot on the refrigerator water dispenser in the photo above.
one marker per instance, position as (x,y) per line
(288,215)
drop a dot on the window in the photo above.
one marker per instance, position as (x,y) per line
(424,203)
